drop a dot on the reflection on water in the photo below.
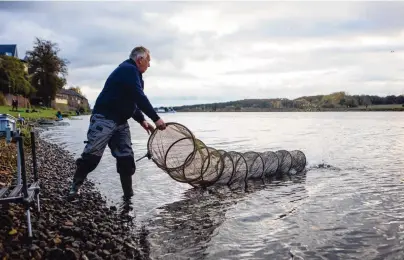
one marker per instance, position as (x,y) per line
(349,205)
(184,229)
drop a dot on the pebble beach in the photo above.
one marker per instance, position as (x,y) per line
(85,228)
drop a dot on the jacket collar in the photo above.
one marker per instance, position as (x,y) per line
(140,74)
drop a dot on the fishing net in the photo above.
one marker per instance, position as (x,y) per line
(189,160)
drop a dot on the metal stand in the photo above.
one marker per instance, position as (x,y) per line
(18,163)
(24,193)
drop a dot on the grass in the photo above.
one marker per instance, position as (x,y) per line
(47,113)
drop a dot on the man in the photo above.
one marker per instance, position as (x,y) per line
(122,98)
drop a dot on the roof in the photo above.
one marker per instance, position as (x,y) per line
(70,93)
(9,48)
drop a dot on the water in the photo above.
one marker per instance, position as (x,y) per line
(350,210)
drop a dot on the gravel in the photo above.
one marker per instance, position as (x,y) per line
(84,228)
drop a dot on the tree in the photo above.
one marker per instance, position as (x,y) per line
(13,78)
(400,99)
(366,101)
(76,89)
(351,101)
(48,70)
(342,102)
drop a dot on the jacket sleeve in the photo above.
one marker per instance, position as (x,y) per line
(139,97)
(138,116)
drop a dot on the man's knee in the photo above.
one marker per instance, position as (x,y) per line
(88,162)
(125,165)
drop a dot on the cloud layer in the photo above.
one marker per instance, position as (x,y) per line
(219,51)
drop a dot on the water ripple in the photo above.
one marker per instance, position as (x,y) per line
(349,205)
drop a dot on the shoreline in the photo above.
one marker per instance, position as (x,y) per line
(295,111)
(84,228)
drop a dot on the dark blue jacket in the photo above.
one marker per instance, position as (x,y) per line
(122,96)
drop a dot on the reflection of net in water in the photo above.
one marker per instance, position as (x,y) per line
(187,159)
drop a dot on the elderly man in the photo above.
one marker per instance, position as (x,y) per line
(122,98)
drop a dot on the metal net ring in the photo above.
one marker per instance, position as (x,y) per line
(187,159)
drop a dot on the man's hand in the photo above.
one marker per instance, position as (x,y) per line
(160,124)
(148,127)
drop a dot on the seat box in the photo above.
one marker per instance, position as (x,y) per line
(7,120)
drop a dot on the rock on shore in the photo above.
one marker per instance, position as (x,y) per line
(81,229)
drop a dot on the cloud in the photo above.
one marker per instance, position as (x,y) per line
(221,51)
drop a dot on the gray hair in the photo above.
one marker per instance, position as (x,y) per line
(138,52)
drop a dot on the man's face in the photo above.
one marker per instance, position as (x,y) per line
(143,63)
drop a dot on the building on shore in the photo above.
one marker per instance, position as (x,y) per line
(12,51)
(65,99)
(164,110)
(68,99)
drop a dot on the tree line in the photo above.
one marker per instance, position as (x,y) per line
(337,100)
(41,74)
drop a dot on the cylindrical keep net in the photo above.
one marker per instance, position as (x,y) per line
(187,159)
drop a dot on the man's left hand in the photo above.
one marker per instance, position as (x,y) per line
(148,127)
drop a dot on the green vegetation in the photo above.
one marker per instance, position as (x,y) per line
(13,77)
(2,99)
(391,107)
(338,101)
(38,78)
(42,112)
(47,71)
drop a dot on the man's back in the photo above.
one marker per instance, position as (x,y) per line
(122,93)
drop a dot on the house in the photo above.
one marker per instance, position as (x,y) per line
(9,50)
(69,99)
(12,51)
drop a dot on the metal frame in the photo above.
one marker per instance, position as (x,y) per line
(23,192)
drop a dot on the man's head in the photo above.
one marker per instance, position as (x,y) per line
(141,56)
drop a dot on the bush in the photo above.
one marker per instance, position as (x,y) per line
(328,105)
(2,99)
(26,133)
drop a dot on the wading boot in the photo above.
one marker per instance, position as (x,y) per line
(74,188)
(126,182)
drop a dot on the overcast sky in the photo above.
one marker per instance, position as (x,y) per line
(220,51)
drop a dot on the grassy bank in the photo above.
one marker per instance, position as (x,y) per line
(41,112)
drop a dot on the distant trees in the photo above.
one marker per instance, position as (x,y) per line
(332,101)
(48,71)
(76,89)
(42,73)
(13,77)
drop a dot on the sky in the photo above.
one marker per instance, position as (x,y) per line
(204,52)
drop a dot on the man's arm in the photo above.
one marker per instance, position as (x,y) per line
(138,116)
(140,98)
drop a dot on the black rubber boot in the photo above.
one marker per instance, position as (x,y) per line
(74,190)
(126,167)
(126,182)
(85,164)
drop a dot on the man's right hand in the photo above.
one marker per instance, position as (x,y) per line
(160,124)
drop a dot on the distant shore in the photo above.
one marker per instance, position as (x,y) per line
(334,102)
(379,108)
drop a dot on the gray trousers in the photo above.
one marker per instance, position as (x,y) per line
(103,132)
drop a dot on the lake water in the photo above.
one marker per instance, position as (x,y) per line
(353,209)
